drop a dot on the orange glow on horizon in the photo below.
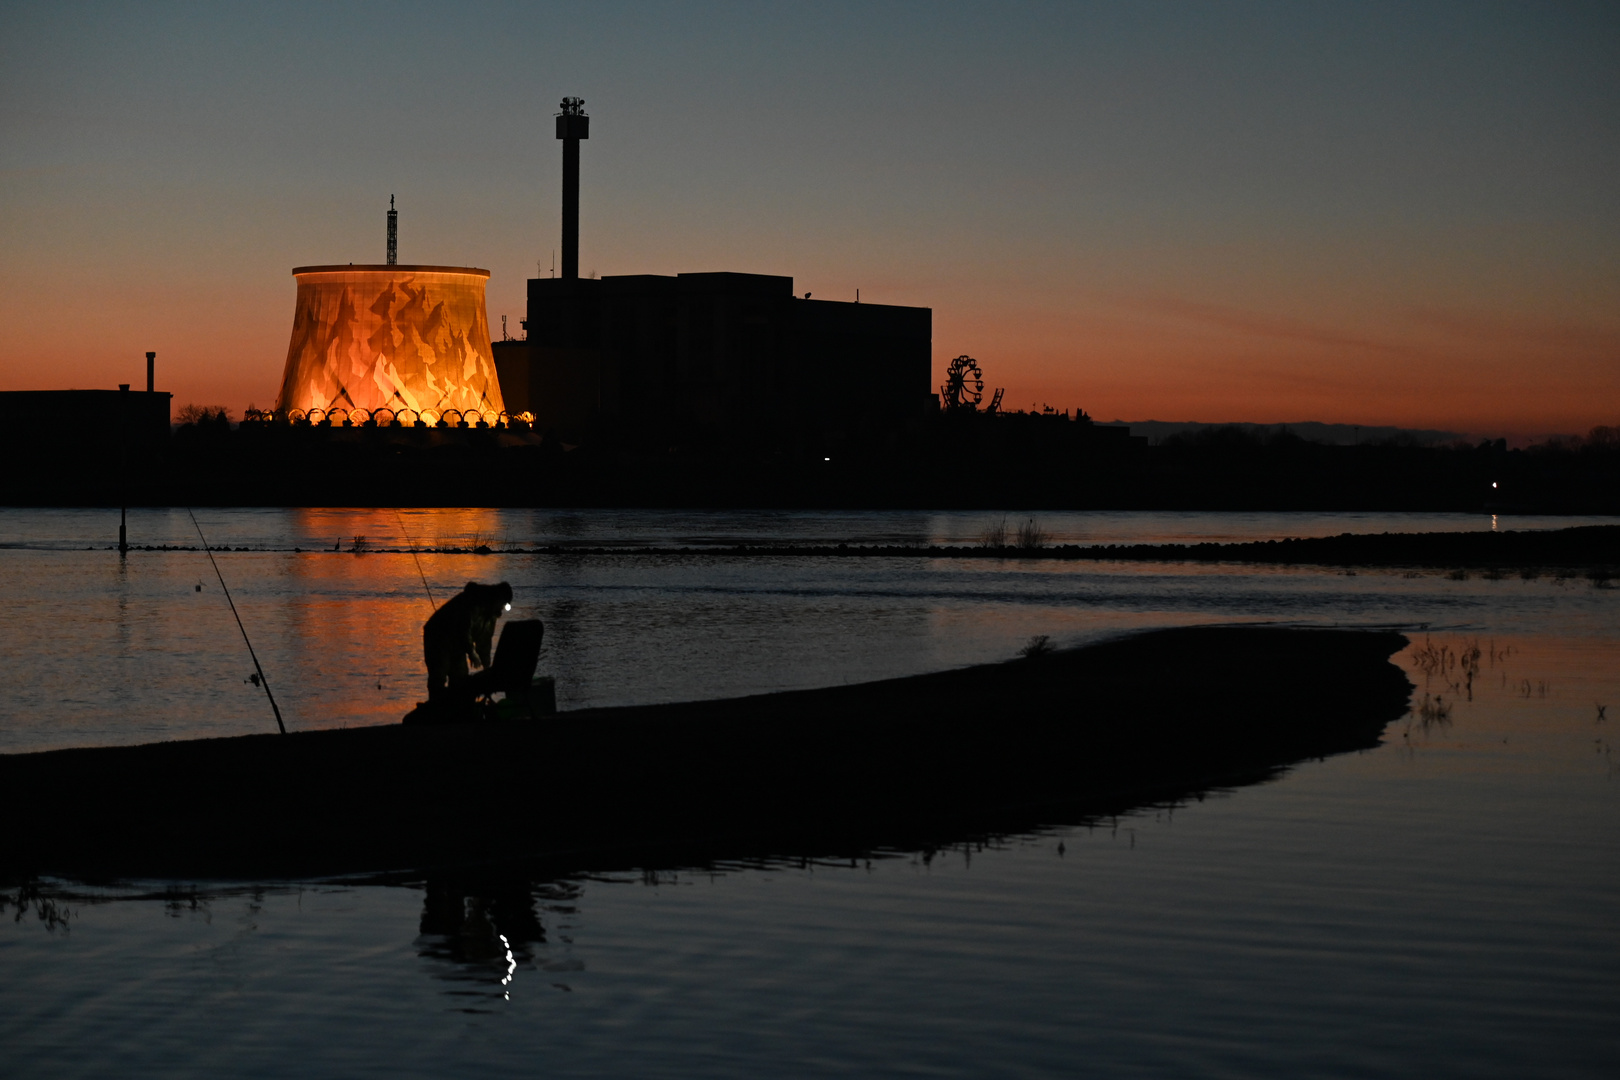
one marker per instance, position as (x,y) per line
(1180,361)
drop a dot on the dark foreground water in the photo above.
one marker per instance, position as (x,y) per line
(1448,904)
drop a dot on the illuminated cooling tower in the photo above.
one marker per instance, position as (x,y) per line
(412,340)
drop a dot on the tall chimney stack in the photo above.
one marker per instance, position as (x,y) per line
(393,233)
(151,359)
(572,126)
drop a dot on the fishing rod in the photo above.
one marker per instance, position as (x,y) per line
(262,680)
(412,545)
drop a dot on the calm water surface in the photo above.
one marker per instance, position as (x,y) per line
(1443,905)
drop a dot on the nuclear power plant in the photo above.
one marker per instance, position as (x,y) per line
(690,389)
(628,359)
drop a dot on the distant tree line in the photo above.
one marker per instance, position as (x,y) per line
(957,459)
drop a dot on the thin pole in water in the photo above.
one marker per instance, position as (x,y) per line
(262,680)
(123,469)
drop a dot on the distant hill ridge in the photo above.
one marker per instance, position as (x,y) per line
(1312,430)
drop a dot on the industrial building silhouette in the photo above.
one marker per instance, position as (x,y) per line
(49,434)
(698,357)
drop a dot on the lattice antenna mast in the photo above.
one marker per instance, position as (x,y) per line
(393,233)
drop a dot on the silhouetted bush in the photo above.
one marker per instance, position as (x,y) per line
(199,415)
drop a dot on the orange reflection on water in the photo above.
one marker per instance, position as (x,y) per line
(353,618)
(1509,701)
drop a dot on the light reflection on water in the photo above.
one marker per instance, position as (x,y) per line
(102,650)
(1443,904)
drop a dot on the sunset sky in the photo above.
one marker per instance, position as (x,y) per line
(1365,213)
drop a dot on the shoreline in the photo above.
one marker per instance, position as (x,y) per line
(1163,715)
(1592,546)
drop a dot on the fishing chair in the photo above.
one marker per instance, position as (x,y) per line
(511,674)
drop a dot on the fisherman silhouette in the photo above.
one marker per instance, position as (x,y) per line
(460,631)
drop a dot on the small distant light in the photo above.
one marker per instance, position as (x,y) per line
(509,606)
(1493,483)
(826,459)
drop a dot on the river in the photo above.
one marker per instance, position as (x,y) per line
(1441,905)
